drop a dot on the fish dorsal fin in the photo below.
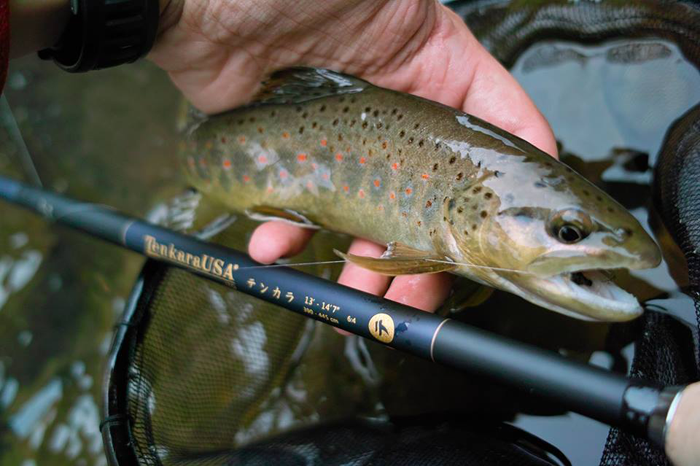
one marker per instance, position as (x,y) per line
(400,259)
(266,213)
(296,85)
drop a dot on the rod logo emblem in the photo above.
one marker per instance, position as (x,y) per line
(381,326)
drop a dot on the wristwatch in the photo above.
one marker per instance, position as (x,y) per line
(105,33)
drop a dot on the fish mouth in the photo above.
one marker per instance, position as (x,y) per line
(586,294)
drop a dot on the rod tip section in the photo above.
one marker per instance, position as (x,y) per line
(683,434)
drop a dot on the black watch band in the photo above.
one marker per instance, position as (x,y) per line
(105,33)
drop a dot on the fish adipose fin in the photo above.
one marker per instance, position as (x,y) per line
(400,259)
(296,85)
(266,213)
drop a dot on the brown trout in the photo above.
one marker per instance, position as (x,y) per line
(444,189)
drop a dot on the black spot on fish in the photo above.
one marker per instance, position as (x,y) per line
(410,140)
(428,204)
(273,113)
(261,129)
(488,195)
(375,113)
(368,109)
(420,143)
(539,184)
(586,193)
(299,109)
(474,227)
(305,114)
(322,109)
(364,125)
(611,210)
(599,198)
(314,125)
(379,125)
(341,100)
(484,214)
(452,160)
(301,130)
(251,119)
(416,126)
(476,190)
(400,117)
(402,133)
(352,122)
(466,232)
(346,109)
(498,174)
(460,175)
(435,167)
(340,137)
(394,111)
(240,122)
(353,99)
(460,210)
(335,122)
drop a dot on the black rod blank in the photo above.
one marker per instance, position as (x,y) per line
(633,404)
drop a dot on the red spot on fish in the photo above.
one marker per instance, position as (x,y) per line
(325,176)
(377,183)
(339,156)
(241,139)
(226,163)
(270,189)
(425,176)
(223,139)
(395,166)
(314,166)
(309,185)
(392,195)
(262,159)
(283,174)
(409,191)
(285,135)
(324,143)
(362,160)
(380,207)
(246,178)
(361,193)
(346,188)
(301,157)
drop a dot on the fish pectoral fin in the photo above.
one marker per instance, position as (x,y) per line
(401,265)
(468,294)
(266,213)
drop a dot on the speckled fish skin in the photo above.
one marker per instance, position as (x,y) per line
(389,166)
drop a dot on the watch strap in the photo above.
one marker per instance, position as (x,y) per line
(105,33)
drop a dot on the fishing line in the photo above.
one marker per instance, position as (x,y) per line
(25,158)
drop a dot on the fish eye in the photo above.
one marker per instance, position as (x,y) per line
(570,226)
(569,234)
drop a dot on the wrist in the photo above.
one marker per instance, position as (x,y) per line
(36,24)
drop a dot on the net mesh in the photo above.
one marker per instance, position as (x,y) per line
(214,377)
(665,349)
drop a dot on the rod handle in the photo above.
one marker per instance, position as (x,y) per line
(682,442)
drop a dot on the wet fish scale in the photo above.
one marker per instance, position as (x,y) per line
(392,167)
(369,156)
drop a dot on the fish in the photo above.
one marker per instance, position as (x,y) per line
(445,190)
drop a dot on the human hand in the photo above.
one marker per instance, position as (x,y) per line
(218,51)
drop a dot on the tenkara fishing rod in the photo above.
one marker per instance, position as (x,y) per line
(642,407)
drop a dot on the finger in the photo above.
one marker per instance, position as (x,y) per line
(426,291)
(453,68)
(363,279)
(273,240)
